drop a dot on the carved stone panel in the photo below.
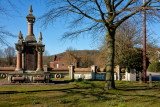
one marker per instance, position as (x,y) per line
(30,58)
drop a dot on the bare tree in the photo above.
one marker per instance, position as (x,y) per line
(46,58)
(98,16)
(1,56)
(10,53)
(4,13)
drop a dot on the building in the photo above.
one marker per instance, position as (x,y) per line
(62,62)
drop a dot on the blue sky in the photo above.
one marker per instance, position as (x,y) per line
(52,34)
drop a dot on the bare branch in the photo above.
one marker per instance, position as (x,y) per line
(133,13)
(3,34)
(78,32)
(83,12)
(116,5)
(101,12)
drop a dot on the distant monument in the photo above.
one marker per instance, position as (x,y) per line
(29,66)
(29,51)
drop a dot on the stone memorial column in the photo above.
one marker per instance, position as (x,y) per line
(39,62)
(19,49)
(40,51)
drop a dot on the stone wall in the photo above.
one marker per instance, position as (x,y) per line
(7,68)
(75,73)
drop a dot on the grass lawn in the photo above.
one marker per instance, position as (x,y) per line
(81,94)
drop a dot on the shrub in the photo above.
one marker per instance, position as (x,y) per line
(154,67)
(35,102)
(63,101)
(78,80)
(85,81)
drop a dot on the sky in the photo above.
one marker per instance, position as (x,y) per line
(16,21)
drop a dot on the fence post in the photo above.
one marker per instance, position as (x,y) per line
(140,77)
(150,80)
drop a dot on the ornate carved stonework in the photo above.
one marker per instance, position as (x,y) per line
(30,18)
(40,48)
(29,56)
(40,38)
(20,36)
(19,47)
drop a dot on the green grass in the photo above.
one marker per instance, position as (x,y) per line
(81,94)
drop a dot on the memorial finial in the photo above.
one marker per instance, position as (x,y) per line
(30,19)
(30,9)
(40,38)
(20,37)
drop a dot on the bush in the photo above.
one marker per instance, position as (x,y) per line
(63,101)
(154,67)
(35,102)
(78,80)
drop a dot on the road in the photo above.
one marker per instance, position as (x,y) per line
(155,76)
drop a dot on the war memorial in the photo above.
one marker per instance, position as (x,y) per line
(29,66)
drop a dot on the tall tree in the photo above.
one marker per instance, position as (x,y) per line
(128,36)
(98,16)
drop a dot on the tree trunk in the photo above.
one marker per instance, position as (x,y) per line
(110,39)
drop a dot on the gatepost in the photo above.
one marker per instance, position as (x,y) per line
(93,69)
(118,73)
(71,72)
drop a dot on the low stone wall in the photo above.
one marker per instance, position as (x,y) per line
(59,74)
(7,68)
(82,69)
(86,73)
(75,73)
(100,76)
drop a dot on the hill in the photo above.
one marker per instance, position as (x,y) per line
(79,52)
(89,56)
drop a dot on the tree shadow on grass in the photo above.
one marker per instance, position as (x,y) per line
(89,90)
(84,91)
(137,88)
